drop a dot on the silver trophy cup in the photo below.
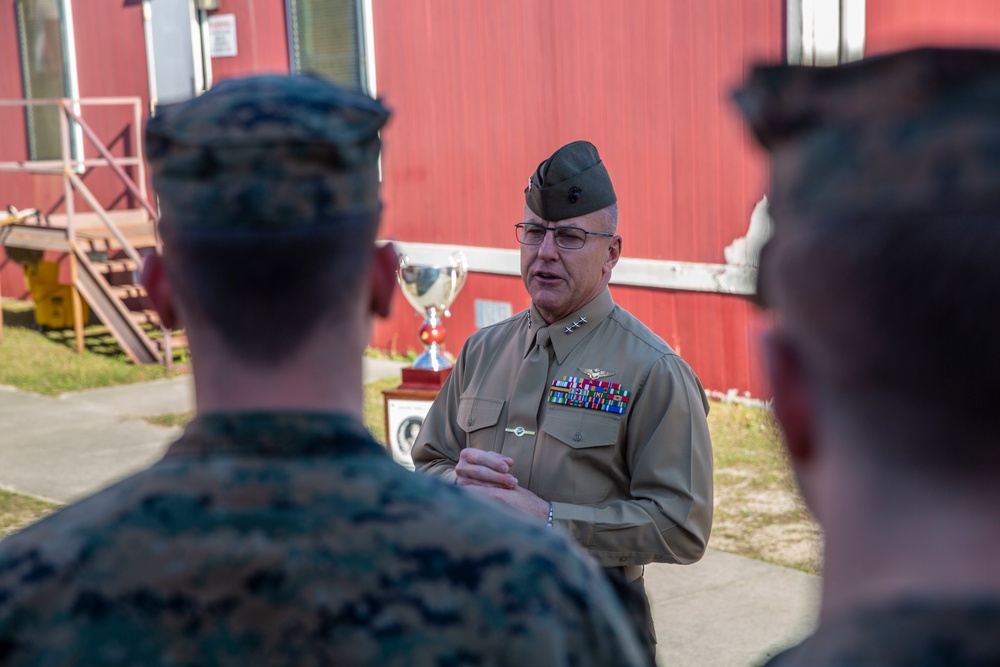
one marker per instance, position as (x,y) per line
(431,290)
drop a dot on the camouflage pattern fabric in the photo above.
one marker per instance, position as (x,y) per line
(913,132)
(293,539)
(913,633)
(266,153)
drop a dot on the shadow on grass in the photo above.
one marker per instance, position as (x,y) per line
(19,314)
(97,338)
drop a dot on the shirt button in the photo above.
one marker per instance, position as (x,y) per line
(577,437)
(623,559)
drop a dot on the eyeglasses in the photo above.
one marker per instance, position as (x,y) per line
(570,238)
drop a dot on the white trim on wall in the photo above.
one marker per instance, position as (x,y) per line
(368,37)
(653,273)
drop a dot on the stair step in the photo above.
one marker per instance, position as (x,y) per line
(145,316)
(116,265)
(176,341)
(128,291)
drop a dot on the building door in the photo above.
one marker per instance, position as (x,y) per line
(174,51)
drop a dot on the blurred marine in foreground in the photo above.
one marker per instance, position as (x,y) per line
(276,531)
(882,276)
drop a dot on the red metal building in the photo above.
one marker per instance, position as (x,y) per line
(482,91)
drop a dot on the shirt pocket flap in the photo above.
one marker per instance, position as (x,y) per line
(581,428)
(475,413)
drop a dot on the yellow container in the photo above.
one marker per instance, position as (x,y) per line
(53,301)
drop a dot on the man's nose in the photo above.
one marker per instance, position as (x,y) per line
(548,248)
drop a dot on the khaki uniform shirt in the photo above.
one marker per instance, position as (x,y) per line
(294,539)
(632,488)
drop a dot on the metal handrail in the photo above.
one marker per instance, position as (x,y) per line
(112,162)
(69,165)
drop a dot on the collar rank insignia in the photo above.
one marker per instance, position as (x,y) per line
(595,373)
(575,325)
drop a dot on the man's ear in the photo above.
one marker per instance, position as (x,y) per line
(385,261)
(615,251)
(793,400)
(154,279)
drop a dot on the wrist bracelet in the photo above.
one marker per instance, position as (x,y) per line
(549,524)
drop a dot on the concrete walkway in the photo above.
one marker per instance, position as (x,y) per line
(725,611)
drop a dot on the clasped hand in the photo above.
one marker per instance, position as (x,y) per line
(488,473)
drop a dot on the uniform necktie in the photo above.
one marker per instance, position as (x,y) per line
(521,431)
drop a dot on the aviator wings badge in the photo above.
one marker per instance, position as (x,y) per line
(595,373)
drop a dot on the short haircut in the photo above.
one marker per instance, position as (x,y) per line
(896,316)
(609,217)
(265,292)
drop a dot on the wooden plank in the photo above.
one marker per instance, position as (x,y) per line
(90,221)
(115,266)
(128,291)
(147,316)
(130,335)
(77,305)
(37,238)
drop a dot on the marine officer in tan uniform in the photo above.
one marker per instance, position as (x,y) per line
(573,411)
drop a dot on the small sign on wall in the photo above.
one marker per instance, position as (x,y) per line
(222,35)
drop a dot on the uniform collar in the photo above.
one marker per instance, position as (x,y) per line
(568,332)
(274,434)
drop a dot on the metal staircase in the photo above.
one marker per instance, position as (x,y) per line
(105,248)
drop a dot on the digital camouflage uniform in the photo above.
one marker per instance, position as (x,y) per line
(285,538)
(915,633)
(294,539)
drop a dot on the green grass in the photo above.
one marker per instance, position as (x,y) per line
(178,419)
(375,406)
(408,357)
(47,362)
(18,510)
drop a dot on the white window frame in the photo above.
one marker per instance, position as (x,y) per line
(825,32)
(71,80)
(366,44)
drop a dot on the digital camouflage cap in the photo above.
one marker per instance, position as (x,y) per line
(912,135)
(266,153)
(570,183)
(909,132)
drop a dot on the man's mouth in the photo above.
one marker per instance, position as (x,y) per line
(545,275)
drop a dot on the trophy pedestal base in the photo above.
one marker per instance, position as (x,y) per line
(424,378)
(405,409)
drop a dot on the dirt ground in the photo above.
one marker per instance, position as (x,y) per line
(758,510)
(771,525)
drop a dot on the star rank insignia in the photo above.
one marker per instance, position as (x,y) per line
(575,325)
(595,373)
